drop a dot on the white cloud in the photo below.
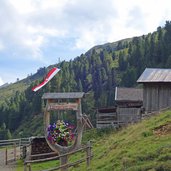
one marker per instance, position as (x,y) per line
(36,29)
(30,24)
(23,6)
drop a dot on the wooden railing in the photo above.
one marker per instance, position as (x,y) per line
(11,149)
(87,149)
(18,142)
(8,153)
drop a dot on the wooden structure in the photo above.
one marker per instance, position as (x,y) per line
(128,109)
(64,101)
(86,149)
(106,117)
(156,89)
(129,102)
(12,150)
(39,145)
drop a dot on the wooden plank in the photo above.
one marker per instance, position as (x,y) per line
(110,122)
(6,156)
(88,153)
(6,144)
(149,99)
(114,124)
(106,125)
(104,114)
(62,106)
(144,96)
(11,140)
(107,118)
(50,158)
(44,154)
(69,95)
(15,152)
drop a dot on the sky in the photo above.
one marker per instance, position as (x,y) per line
(37,33)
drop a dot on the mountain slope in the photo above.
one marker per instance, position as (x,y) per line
(97,72)
(9,90)
(143,146)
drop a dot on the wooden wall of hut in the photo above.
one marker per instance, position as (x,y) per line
(128,115)
(156,96)
(106,117)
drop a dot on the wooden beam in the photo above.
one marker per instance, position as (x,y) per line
(62,106)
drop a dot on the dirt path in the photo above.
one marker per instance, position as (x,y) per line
(11,165)
(8,168)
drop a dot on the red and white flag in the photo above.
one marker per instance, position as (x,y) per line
(49,76)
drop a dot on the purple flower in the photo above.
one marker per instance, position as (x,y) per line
(60,132)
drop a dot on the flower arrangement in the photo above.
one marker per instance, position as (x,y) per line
(60,133)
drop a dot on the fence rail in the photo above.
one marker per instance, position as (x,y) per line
(11,149)
(8,155)
(87,149)
(21,141)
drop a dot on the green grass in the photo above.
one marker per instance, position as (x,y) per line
(134,148)
(10,90)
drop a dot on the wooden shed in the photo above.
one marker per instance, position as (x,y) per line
(129,102)
(106,117)
(156,89)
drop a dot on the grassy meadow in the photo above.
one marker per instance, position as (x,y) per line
(145,146)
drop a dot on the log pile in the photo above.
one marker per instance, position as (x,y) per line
(40,146)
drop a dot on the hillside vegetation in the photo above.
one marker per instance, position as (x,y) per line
(97,72)
(7,92)
(145,146)
(139,147)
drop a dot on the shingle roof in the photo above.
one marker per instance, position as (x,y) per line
(128,94)
(155,75)
(71,95)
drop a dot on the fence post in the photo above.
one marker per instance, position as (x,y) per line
(88,153)
(25,166)
(15,152)
(63,161)
(29,166)
(6,156)
(20,148)
(24,152)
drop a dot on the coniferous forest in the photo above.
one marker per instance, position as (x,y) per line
(97,73)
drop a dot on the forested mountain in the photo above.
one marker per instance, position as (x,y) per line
(97,72)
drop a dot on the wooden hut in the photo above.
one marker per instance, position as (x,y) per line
(156,89)
(129,102)
(106,117)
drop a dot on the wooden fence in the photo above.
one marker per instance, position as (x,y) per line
(8,153)
(18,142)
(87,158)
(11,150)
